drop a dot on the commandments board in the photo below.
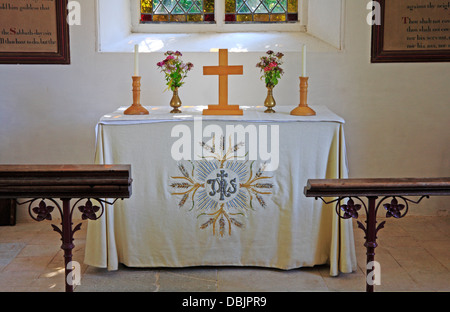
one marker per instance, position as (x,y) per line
(34,32)
(411,31)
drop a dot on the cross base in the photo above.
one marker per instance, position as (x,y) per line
(223,110)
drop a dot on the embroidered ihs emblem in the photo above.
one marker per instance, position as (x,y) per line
(221,189)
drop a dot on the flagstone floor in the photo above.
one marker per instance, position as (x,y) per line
(414,254)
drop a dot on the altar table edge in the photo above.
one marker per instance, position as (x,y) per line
(191,113)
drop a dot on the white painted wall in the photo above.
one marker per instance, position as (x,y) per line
(397,114)
(325,13)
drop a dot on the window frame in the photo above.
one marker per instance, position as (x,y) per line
(219,25)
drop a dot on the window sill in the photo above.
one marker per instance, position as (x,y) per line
(209,42)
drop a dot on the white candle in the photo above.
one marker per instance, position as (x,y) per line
(136,60)
(304,61)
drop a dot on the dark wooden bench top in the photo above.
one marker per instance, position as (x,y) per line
(65,181)
(378,187)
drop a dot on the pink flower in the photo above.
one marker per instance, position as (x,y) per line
(273,64)
(170,57)
(266,69)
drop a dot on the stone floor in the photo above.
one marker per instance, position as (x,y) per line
(414,253)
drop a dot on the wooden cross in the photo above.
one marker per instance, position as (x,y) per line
(223,70)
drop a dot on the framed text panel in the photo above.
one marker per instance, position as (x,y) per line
(412,31)
(34,32)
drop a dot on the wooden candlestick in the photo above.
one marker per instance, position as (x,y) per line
(303,109)
(136,108)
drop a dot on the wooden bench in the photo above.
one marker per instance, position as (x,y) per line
(45,183)
(372,189)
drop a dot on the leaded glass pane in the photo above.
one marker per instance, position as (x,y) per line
(208,6)
(178,10)
(261,10)
(243,18)
(160,18)
(277,17)
(177,18)
(194,11)
(146,6)
(292,6)
(253,4)
(230,6)
(168,4)
(194,18)
(186,5)
(160,10)
(239,11)
(261,18)
(278,9)
(244,9)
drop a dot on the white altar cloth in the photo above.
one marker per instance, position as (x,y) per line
(251,114)
(261,218)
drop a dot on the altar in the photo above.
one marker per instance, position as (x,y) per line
(222,190)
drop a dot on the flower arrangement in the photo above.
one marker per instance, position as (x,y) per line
(175,69)
(270,66)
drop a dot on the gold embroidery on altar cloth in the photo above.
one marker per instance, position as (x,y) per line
(221,188)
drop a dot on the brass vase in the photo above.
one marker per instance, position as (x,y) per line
(269,101)
(175,102)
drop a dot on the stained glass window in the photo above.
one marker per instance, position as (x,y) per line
(241,11)
(177,11)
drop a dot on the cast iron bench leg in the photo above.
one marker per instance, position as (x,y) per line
(350,210)
(44,212)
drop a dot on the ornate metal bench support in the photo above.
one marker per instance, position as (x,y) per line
(47,182)
(372,189)
(351,209)
(43,211)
